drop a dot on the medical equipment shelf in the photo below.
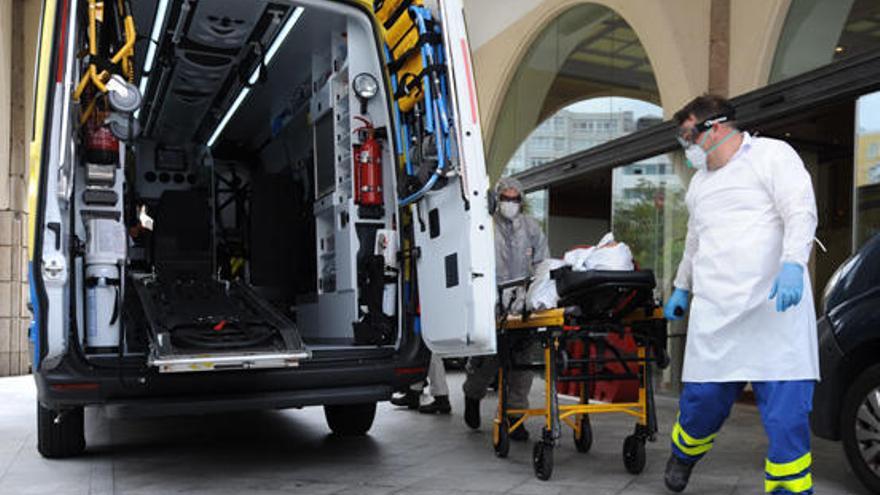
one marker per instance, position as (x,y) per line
(599,305)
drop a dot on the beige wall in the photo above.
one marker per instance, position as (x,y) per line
(755,26)
(18,29)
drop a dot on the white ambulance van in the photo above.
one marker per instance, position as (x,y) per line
(243,204)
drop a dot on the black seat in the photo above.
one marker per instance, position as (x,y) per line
(182,235)
(604,293)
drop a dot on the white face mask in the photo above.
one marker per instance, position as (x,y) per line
(697,157)
(509,209)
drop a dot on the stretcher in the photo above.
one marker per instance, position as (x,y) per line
(416,60)
(594,306)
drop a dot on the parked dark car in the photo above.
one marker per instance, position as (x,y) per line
(846,406)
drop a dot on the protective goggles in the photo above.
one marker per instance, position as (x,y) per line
(514,199)
(688,136)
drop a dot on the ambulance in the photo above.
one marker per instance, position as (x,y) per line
(252,204)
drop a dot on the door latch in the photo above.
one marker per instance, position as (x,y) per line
(53,269)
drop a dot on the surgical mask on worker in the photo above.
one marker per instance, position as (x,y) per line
(509,209)
(698,158)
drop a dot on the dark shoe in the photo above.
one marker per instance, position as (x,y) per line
(472,412)
(440,405)
(520,434)
(410,399)
(678,472)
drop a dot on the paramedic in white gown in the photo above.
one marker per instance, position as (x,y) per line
(752,218)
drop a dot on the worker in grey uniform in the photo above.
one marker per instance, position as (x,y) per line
(519,245)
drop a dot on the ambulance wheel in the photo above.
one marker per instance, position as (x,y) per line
(60,433)
(501,437)
(585,441)
(350,420)
(634,454)
(858,427)
(542,460)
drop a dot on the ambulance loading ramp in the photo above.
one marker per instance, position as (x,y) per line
(207,325)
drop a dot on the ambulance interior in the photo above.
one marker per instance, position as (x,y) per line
(227,229)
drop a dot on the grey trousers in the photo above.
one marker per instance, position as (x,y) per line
(480,372)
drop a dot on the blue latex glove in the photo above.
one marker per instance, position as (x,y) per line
(788,287)
(677,301)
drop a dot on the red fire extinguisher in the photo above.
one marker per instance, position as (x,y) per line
(368,168)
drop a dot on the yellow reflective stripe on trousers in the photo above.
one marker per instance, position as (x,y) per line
(798,485)
(691,440)
(692,451)
(781,470)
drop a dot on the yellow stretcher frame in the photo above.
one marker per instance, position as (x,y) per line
(124,57)
(549,326)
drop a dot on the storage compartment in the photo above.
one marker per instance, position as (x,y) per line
(237,234)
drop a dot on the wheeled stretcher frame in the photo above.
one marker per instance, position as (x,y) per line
(554,329)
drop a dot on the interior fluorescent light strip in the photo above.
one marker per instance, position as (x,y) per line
(154,40)
(255,75)
(158,23)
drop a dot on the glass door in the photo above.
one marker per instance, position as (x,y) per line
(866,176)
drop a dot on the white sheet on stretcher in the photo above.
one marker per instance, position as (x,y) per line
(607,255)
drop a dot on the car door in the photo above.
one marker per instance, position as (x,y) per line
(453,228)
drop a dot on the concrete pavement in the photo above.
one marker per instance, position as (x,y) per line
(292,452)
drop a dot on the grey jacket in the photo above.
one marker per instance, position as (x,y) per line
(519,245)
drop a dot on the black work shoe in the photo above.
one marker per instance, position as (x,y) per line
(678,472)
(520,434)
(472,412)
(440,405)
(410,399)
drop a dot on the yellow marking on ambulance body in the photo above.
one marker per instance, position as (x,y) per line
(42,92)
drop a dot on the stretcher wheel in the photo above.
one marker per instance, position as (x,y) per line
(585,442)
(501,437)
(542,460)
(634,454)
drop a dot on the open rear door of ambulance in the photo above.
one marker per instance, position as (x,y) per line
(453,225)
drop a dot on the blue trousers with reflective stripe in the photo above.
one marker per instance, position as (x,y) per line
(785,409)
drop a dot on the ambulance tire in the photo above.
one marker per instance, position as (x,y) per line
(350,420)
(62,438)
(859,396)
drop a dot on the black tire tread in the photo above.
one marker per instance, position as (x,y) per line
(634,455)
(65,439)
(350,420)
(855,394)
(585,443)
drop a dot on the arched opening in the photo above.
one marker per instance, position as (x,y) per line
(589,51)
(818,32)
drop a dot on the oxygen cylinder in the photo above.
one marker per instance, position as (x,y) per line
(105,254)
(389,294)
(102,306)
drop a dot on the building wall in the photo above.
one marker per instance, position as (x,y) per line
(18,28)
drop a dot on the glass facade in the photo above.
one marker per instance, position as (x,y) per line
(866,174)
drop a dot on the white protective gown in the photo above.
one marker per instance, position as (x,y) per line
(746,219)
